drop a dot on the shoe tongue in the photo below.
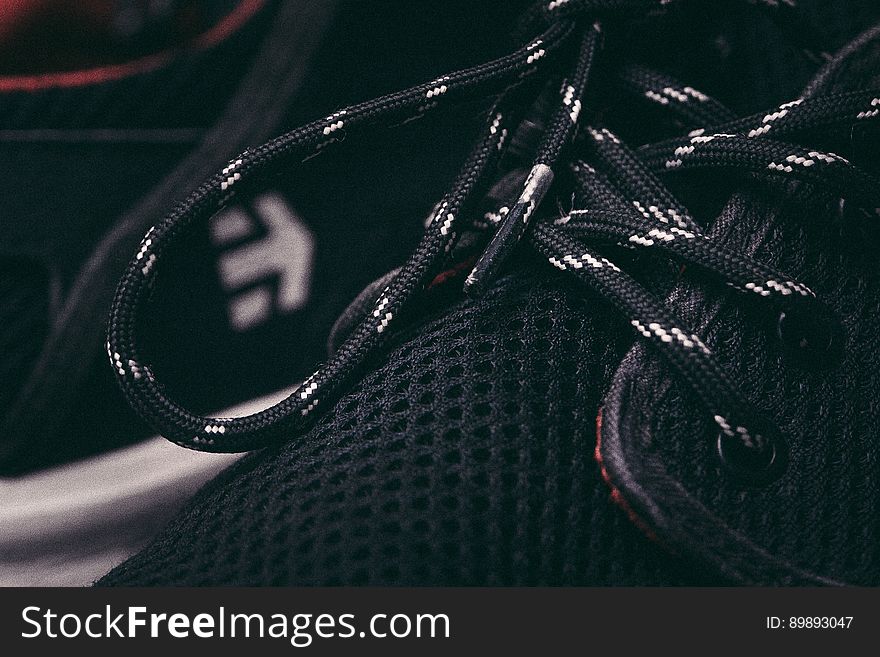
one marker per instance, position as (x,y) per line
(776,66)
(839,21)
(855,66)
(754,216)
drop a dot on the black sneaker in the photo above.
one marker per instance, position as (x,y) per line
(452,440)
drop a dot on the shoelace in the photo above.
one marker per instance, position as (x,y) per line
(620,199)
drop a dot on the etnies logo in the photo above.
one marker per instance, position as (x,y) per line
(261,243)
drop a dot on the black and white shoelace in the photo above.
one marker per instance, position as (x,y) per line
(620,189)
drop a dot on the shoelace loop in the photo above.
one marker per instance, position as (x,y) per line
(619,198)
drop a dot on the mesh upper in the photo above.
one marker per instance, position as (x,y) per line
(465,458)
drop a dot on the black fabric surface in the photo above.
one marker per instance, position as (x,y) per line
(466,458)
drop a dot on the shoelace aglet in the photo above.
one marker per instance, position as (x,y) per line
(511,230)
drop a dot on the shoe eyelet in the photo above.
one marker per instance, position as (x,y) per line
(751,467)
(810,335)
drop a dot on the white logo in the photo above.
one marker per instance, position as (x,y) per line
(285,251)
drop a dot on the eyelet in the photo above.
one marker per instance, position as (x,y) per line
(811,336)
(752,467)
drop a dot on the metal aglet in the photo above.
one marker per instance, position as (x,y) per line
(511,230)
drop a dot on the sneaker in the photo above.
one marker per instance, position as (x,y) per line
(557,387)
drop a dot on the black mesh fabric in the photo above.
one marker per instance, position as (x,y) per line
(465,458)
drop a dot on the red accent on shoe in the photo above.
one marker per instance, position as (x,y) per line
(616,495)
(453,272)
